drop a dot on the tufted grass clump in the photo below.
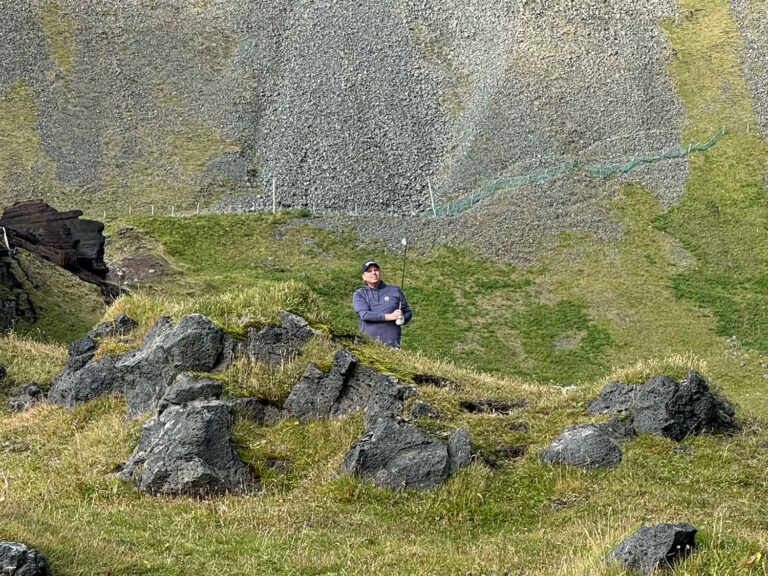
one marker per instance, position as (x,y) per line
(29,360)
(234,311)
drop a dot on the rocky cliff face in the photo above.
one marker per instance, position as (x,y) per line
(347,106)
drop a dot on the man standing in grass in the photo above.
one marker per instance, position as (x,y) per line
(381,308)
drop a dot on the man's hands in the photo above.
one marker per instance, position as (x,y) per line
(394,316)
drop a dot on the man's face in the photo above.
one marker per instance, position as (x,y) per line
(372,275)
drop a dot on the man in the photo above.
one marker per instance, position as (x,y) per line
(381,308)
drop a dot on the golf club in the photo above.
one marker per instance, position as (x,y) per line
(400,321)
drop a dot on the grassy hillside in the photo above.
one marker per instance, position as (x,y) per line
(683,286)
(311,519)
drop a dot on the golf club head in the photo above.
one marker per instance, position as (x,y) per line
(404,242)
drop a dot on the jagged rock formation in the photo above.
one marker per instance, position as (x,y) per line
(143,375)
(346,388)
(664,407)
(277,344)
(18,559)
(661,406)
(60,237)
(652,547)
(185,450)
(397,455)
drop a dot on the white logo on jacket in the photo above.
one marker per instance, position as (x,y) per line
(386,298)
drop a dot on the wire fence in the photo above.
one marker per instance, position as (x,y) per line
(457,206)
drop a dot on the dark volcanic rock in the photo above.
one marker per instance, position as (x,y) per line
(3,372)
(346,388)
(395,454)
(434,380)
(121,326)
(277,344)
(23,397)
(585,446)
(185,388)
(143,375)
(653,547)
(18,559)
(615,398)
(664,407)
(186,450)
(76,385)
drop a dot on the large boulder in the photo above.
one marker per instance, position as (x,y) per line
(664,407)
(76,385)
(186,450)
(653,547)
(18,559)
(584,446)
(396,454)
(346,388)
(143,375)
(278,344)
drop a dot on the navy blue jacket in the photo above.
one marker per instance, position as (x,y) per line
(372,303)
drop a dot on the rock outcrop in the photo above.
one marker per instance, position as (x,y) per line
(653,547)
(348,387)
(664,407)
(143,375)
(584,446)
(60,237)
(17,559)
(24,397)
(395,454)
(186,450)
(277,344)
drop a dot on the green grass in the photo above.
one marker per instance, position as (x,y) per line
(722,217)
(658,300)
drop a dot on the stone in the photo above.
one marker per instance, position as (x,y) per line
(120,326)
(186,450)
(395,454)
(583,446)
(143,375)
(3,372)
(275,345)
(75,385)
(346,388)
(193,344)
(62,238)
(24,397)
(653,547)
(186,388)
(18,559)
(618,428)
(664,407)
(434,380)
(614,398)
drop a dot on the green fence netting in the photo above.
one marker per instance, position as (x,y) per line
(457,206)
